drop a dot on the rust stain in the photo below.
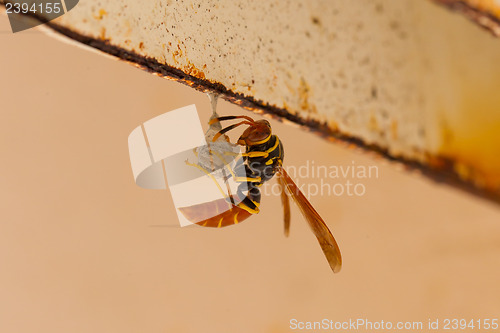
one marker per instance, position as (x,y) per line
(373,123)
(192,70)
(470,136)
(102,35)
(177,53)
(304,92)
(179,56)
(394,129)
(334,126)
(100,15)
(248,86)
(475,158)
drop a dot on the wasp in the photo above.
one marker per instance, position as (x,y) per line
(261,161)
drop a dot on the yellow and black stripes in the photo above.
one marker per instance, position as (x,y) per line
(251,201)
(257,166)
(259,163)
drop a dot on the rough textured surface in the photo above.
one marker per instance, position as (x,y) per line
(396,75)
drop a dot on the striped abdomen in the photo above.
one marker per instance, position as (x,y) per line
(216,214)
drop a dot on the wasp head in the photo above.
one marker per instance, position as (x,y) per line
(259,132)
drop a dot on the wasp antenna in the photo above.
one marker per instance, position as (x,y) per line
(227,129)
(213,120)
(230,118)
(216,136)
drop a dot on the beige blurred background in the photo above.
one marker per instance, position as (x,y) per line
(83,249)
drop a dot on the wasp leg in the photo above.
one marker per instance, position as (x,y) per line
(249,181)
(271,160)
(256,154)
(242,175)
(226,163)
(250,202)
(225,195)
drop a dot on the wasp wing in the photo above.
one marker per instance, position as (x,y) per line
(286,204)
(318,226)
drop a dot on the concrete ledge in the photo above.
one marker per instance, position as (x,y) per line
(408,80)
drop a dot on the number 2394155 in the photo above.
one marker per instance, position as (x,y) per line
(462,324)
(41,8)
